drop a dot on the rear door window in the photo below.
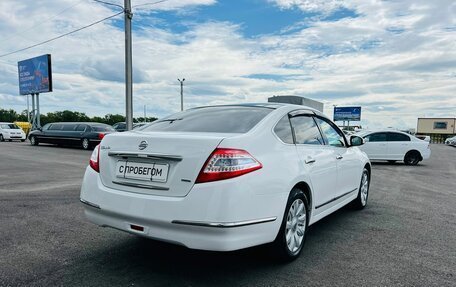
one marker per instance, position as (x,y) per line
(222,119)
(306,130)
(397,137)
(80,128)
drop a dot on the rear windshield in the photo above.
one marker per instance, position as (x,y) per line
(9,127)
(232,119)
(102,129)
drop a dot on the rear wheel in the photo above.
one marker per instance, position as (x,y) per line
(412,158)
(361,201)
(85,144)
(292,233)
(33,141)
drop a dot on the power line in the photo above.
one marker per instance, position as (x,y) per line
(63,35)
(43,22)
(82,28)
(150,3)
(109,3)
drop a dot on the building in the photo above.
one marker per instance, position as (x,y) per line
(437,128)
(297,100)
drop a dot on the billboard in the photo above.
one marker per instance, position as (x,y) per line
(35,75)
(347,113)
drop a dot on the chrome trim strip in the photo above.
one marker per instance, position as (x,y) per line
(224,224)
(335,198)
(145,155)
(132,184)
(89,203)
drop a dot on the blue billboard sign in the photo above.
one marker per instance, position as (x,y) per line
(35,75)
(347,113)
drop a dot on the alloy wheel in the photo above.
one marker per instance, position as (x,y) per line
(364,188)
(85,143)
(295,225)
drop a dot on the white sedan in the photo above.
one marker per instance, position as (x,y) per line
(394,146)
(451,141)
(226,177)
(10,131)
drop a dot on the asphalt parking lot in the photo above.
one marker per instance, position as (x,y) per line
(406,236)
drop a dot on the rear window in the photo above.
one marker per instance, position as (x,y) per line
(236,119)
(102,129)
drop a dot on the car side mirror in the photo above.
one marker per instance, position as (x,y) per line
(356,141)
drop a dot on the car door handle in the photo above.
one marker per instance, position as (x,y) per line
(310,160)
(339,156)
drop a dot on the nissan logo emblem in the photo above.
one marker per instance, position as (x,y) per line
(143,145)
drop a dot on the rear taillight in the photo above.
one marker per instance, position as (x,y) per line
(95,159)
(101,136)
(226,163)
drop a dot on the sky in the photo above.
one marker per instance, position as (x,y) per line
(396,59)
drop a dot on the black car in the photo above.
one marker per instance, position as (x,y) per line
(122,126)
(85,135)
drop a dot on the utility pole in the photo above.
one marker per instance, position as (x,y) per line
(128,67)
(182,93)
(145,113)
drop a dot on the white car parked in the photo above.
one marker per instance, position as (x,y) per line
(10,131)
(394,146)
(226,177)
(451,141)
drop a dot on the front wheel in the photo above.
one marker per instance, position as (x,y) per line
(33,141)
(2,139)
(292,233)
(361,201)
(85,144)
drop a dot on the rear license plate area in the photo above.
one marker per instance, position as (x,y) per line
(152,172)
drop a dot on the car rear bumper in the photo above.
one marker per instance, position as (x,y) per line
(211,217)
(426,153)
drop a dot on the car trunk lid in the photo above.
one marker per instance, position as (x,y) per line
(155,163)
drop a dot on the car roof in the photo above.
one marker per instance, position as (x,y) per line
(81,123)
(290,107)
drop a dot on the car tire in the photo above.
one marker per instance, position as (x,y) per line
(33,140)
(2,139)
(292,234)
(22,140)
(412,158)
(363,193)
(85,143)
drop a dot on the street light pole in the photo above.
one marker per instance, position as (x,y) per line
(128,67)
(182,93)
